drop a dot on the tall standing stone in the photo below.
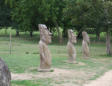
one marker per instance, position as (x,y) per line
(45,55)
(85,42)
(70,47)
(5,75)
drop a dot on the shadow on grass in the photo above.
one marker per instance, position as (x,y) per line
(105,55)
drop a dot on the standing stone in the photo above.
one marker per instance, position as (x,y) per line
(70,47)
(5,76)
(85,42)
(45,55)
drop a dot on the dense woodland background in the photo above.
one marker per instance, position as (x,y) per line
(93,16)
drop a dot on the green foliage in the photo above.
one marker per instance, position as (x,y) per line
(94,16)
(89,13)
(28,14)
(77,11)
(5,17)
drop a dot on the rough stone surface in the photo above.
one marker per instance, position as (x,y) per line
(70,47)
(5,75)
(85,47)
(45,55)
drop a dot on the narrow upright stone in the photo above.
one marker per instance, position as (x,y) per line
(5,75)
(70,47)
(45,55)
(85,42)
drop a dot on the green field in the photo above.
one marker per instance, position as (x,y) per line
(25,60)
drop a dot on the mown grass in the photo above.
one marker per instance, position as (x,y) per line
(25,55)
(39,82)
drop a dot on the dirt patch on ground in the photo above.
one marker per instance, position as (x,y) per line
(60,77)
(105,80)
(63,73)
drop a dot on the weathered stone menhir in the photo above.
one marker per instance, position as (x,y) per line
(45,55)
(85,42)
(5,75)
(70,47)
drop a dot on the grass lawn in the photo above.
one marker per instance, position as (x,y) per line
(25,59)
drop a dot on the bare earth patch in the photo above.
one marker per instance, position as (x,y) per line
(60,77)
(105,80)
(58,73)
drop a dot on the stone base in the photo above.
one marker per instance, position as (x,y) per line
(45,70)
(73,62)
(85,57)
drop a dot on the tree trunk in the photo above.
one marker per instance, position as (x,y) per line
(97,35)
(31,33)
(59,34)
(79,34)
(65,32)
(17,33)
(6,30)
(108,43)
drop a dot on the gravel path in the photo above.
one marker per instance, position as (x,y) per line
(105,80)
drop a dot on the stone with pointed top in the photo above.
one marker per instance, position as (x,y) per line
(85,42)
(45,55)
(70,47)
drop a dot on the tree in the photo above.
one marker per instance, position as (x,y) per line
(28,14)
(77,11)
(5,18)
(108,24)
(95,16)
(56,18)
